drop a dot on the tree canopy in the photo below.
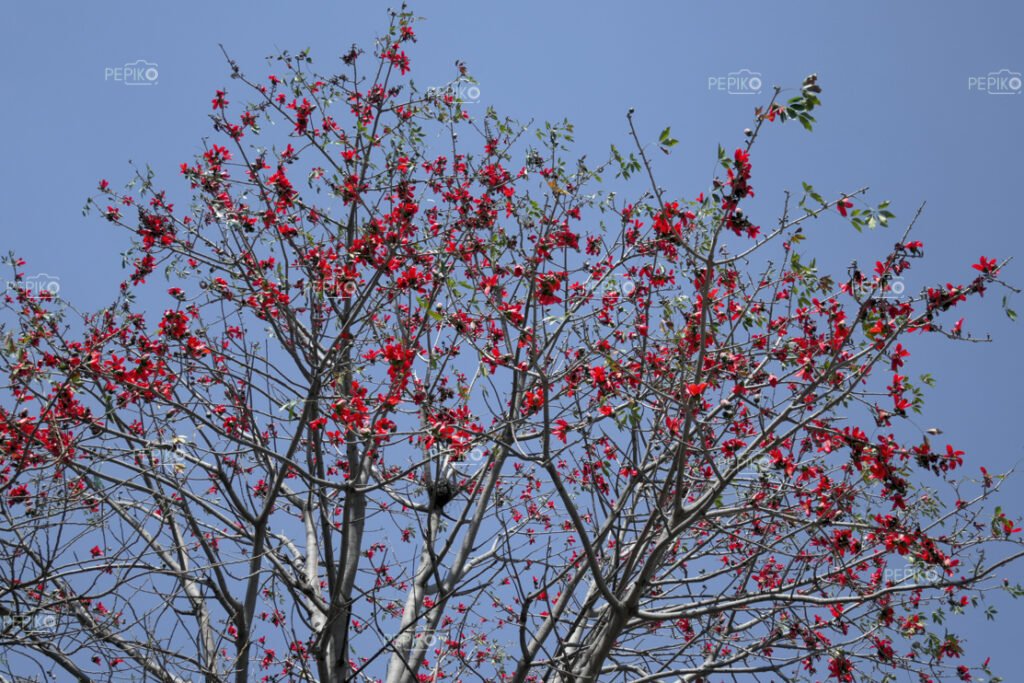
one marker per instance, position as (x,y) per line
(427,395)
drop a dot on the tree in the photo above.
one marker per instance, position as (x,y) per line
(425,403)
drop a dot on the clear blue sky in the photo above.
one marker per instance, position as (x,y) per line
(898,116)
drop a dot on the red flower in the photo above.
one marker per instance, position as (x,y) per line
(898,355)
(953,458)
(219,102)
(696,389)
(96,551)
(18,494)
(548,287)
(840,668)
(843,205)
(987,478)
(986,265)
(174,324)
(559,430)
(398,59)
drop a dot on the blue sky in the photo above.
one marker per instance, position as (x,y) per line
(899,115)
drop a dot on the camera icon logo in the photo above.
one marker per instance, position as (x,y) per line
(1002,82)
(173,457)
(38,285)
(742,82)
(625,289)
(139,72)
(894,289)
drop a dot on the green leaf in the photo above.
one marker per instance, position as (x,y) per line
(1010,313)
(666,139)
(289,407)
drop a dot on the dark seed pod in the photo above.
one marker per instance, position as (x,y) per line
(442,493)
(728,409)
